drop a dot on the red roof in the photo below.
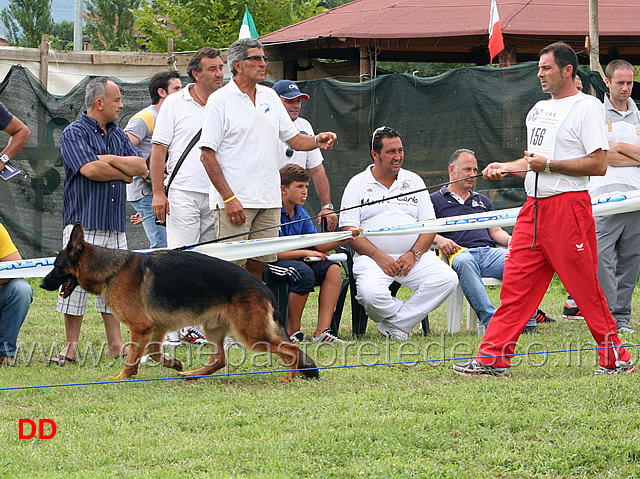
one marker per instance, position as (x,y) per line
(453,18)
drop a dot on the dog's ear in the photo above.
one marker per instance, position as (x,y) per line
(76,241)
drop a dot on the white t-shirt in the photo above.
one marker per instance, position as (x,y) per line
(178,121)
(306,159)
(246,139)
(621,127)
(566,129)
(413,208)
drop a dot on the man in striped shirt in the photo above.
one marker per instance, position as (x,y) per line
(99,160)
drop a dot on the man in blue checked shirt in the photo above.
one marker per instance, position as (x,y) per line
(99,160)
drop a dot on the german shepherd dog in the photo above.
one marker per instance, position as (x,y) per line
(153,293)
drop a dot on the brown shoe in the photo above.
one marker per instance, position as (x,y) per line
(7,361)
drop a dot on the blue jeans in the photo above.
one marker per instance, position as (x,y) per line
(15,299)
(473,264)
(157,234)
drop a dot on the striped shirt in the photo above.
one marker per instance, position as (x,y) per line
(5,117)
(97,204)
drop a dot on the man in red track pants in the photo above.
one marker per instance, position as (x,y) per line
(555,230)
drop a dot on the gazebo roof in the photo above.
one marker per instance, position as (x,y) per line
(457,30)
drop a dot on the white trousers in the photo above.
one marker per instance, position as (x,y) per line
(191,218)
(431,280)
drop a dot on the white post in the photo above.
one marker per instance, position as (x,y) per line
(77,26)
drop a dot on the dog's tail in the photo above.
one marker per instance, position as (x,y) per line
(307,366)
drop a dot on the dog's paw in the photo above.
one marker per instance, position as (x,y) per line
(177,364)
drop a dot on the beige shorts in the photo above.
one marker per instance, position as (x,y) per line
(257,218)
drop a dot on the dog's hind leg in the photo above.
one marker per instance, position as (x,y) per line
(217,359)
(261,333)
(288,352)
(155,353)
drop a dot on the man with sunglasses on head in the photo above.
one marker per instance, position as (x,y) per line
(292,97)
(244,123)
(406,258)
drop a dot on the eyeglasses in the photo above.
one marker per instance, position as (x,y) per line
(289,152)
(257,58)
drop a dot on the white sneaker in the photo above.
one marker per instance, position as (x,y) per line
(229,342)
(172,340)
(389,331)
(626,330)
(192,335)
(327,336)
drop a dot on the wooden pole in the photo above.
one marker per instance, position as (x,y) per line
(594,39)
(171,58)
(507,57)
(365,64)
(44,60)
(39,162)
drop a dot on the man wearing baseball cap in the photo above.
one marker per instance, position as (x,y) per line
(292,97)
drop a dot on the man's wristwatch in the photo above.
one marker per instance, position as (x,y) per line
(328,206)
(4,158)
(547,168)
(417,254)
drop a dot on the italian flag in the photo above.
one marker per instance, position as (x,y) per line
(496,43)
(248,28)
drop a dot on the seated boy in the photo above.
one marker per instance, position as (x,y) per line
(304,276)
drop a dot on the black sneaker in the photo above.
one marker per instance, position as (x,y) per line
(530,330)
(571,310)
(623,368)
(475,368)
(297,337)
(541,317)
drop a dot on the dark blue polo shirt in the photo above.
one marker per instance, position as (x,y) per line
(97,204)
(299,228)
(445,205)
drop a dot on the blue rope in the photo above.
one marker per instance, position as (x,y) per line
(393,363)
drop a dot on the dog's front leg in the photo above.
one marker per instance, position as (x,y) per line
(139,339)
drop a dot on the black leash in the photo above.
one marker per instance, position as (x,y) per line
(432,187)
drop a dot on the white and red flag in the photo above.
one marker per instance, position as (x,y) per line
(496,42)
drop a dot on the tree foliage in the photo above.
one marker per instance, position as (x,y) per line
(110,24)
(61,35)
(194,24)
(25,21)
(329,4)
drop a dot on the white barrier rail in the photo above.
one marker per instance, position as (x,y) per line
(235,250)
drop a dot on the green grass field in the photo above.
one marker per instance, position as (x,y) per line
(551,419)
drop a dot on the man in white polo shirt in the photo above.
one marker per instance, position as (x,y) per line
(243,125)
(186,209)
(379,261)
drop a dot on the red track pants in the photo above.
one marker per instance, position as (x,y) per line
(566,244)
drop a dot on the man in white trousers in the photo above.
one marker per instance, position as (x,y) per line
(379,261)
